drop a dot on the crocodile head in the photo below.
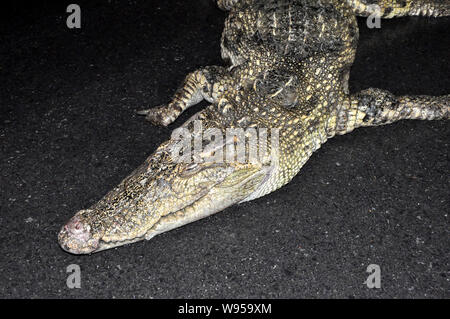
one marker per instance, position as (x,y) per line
(160,195)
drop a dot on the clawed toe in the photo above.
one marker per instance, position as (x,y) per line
(143,112)
(155,116)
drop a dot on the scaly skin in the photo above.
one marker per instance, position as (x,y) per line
(289,68)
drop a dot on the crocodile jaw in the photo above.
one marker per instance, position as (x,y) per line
(137,210)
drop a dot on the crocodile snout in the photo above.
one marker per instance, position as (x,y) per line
(75,237)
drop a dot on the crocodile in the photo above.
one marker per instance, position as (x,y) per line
(286,70)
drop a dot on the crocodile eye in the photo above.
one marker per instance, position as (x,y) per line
(191,167)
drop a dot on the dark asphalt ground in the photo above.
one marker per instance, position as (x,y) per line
(68,134)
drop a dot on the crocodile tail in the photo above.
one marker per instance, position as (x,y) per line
(398,8)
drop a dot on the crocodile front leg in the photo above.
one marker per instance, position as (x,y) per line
(202,84)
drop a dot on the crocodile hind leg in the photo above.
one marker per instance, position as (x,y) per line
(374,107)
(398,8)
(198,85)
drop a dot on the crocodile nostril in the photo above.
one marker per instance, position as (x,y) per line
(74,227)
(76,237)
(78,228)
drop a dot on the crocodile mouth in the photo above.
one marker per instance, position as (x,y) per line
(88,243)
(76,236)
(96,229)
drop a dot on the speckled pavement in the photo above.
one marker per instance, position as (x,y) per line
(68,134)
